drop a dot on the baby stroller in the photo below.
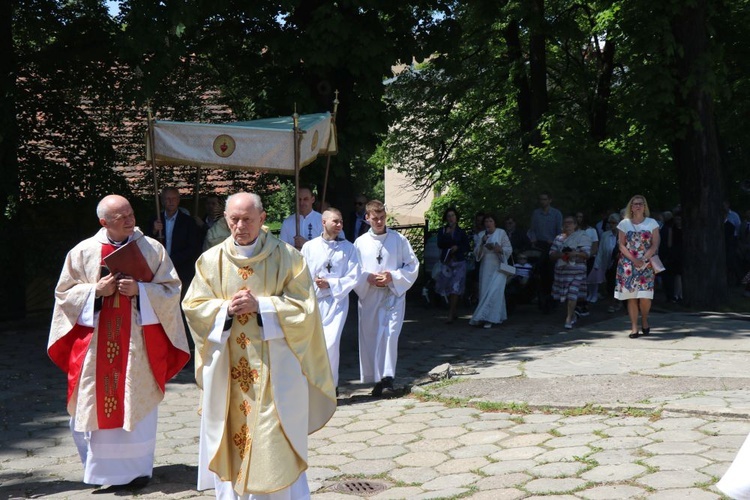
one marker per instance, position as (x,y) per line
(523,288)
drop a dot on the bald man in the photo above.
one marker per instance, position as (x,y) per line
(260,359)
(334,265)
(119,340)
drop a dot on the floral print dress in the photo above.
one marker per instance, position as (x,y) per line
(635,283)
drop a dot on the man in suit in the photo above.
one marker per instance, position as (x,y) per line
(179,234)
(356,223)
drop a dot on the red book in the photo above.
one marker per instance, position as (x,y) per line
(129,260)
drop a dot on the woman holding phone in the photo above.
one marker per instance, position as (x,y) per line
(494,247)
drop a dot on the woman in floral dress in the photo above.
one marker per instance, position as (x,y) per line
(639,242)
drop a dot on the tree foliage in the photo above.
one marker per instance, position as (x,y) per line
(594,101)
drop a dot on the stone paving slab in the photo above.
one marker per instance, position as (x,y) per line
(600,416)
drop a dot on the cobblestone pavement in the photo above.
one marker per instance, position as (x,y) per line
(595,415)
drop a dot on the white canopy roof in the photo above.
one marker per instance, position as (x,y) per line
(266,144)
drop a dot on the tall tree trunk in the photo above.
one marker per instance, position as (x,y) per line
(698,164)
(538,66)
(520,80)
(600,109)
(12,283)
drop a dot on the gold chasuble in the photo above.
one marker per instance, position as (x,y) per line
(261,398)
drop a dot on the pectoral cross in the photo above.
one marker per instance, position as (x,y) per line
(329,266)
(379,258)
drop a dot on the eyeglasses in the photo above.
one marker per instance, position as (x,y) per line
(637,204)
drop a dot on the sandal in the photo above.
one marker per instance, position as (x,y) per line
(634,335)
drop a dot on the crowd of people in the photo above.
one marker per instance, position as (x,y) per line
(619,260)
(264,316)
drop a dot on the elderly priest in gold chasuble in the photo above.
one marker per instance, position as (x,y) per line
(119,339)
(260,359)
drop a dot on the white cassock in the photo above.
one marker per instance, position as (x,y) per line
(381,309)
(735,483)
(337,262)
(310,226)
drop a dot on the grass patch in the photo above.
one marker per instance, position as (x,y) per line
(555,433)
(588,409)
(484,406)
(650,469)
(707,484)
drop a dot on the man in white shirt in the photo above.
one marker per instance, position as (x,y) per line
(310,221)
(334,266)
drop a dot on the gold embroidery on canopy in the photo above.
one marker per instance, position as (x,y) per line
(243,341)
(243,374)
(245,272)
(242,440)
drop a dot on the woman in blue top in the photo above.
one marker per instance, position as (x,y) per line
(453,243)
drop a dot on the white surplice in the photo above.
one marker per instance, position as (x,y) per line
(337,262)
(381,309)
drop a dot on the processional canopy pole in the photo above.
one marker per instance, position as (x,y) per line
(328,160)
(295,136)
(152,141)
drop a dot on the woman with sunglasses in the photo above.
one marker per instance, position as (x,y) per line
(638,241)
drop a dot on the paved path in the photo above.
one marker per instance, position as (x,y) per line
(596,415)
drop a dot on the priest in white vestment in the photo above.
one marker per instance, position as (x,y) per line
(389,268)
(119,340)
(334,267)
(260,359)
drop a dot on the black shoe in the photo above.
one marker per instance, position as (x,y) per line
(646,331)
(134,485)
(377,391)
(582,311)
(387,382)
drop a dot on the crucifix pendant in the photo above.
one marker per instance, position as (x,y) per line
(329,266)
(379,258)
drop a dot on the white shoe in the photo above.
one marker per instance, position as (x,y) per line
(487,326)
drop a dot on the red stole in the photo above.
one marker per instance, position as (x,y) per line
(113,343)
(112,353)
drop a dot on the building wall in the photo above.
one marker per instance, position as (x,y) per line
(402,201)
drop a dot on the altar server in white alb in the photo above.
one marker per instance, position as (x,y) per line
(334,266)
(310,221)
(389,269)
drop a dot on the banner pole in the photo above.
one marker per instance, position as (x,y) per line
(152,141)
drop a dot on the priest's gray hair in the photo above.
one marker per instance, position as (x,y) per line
(256,199)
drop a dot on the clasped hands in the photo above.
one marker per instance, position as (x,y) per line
(112,283)
(322,283)
(380,279)
(243,302)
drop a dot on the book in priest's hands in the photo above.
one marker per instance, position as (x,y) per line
(129,260)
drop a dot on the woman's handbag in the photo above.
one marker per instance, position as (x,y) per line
(656,264)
